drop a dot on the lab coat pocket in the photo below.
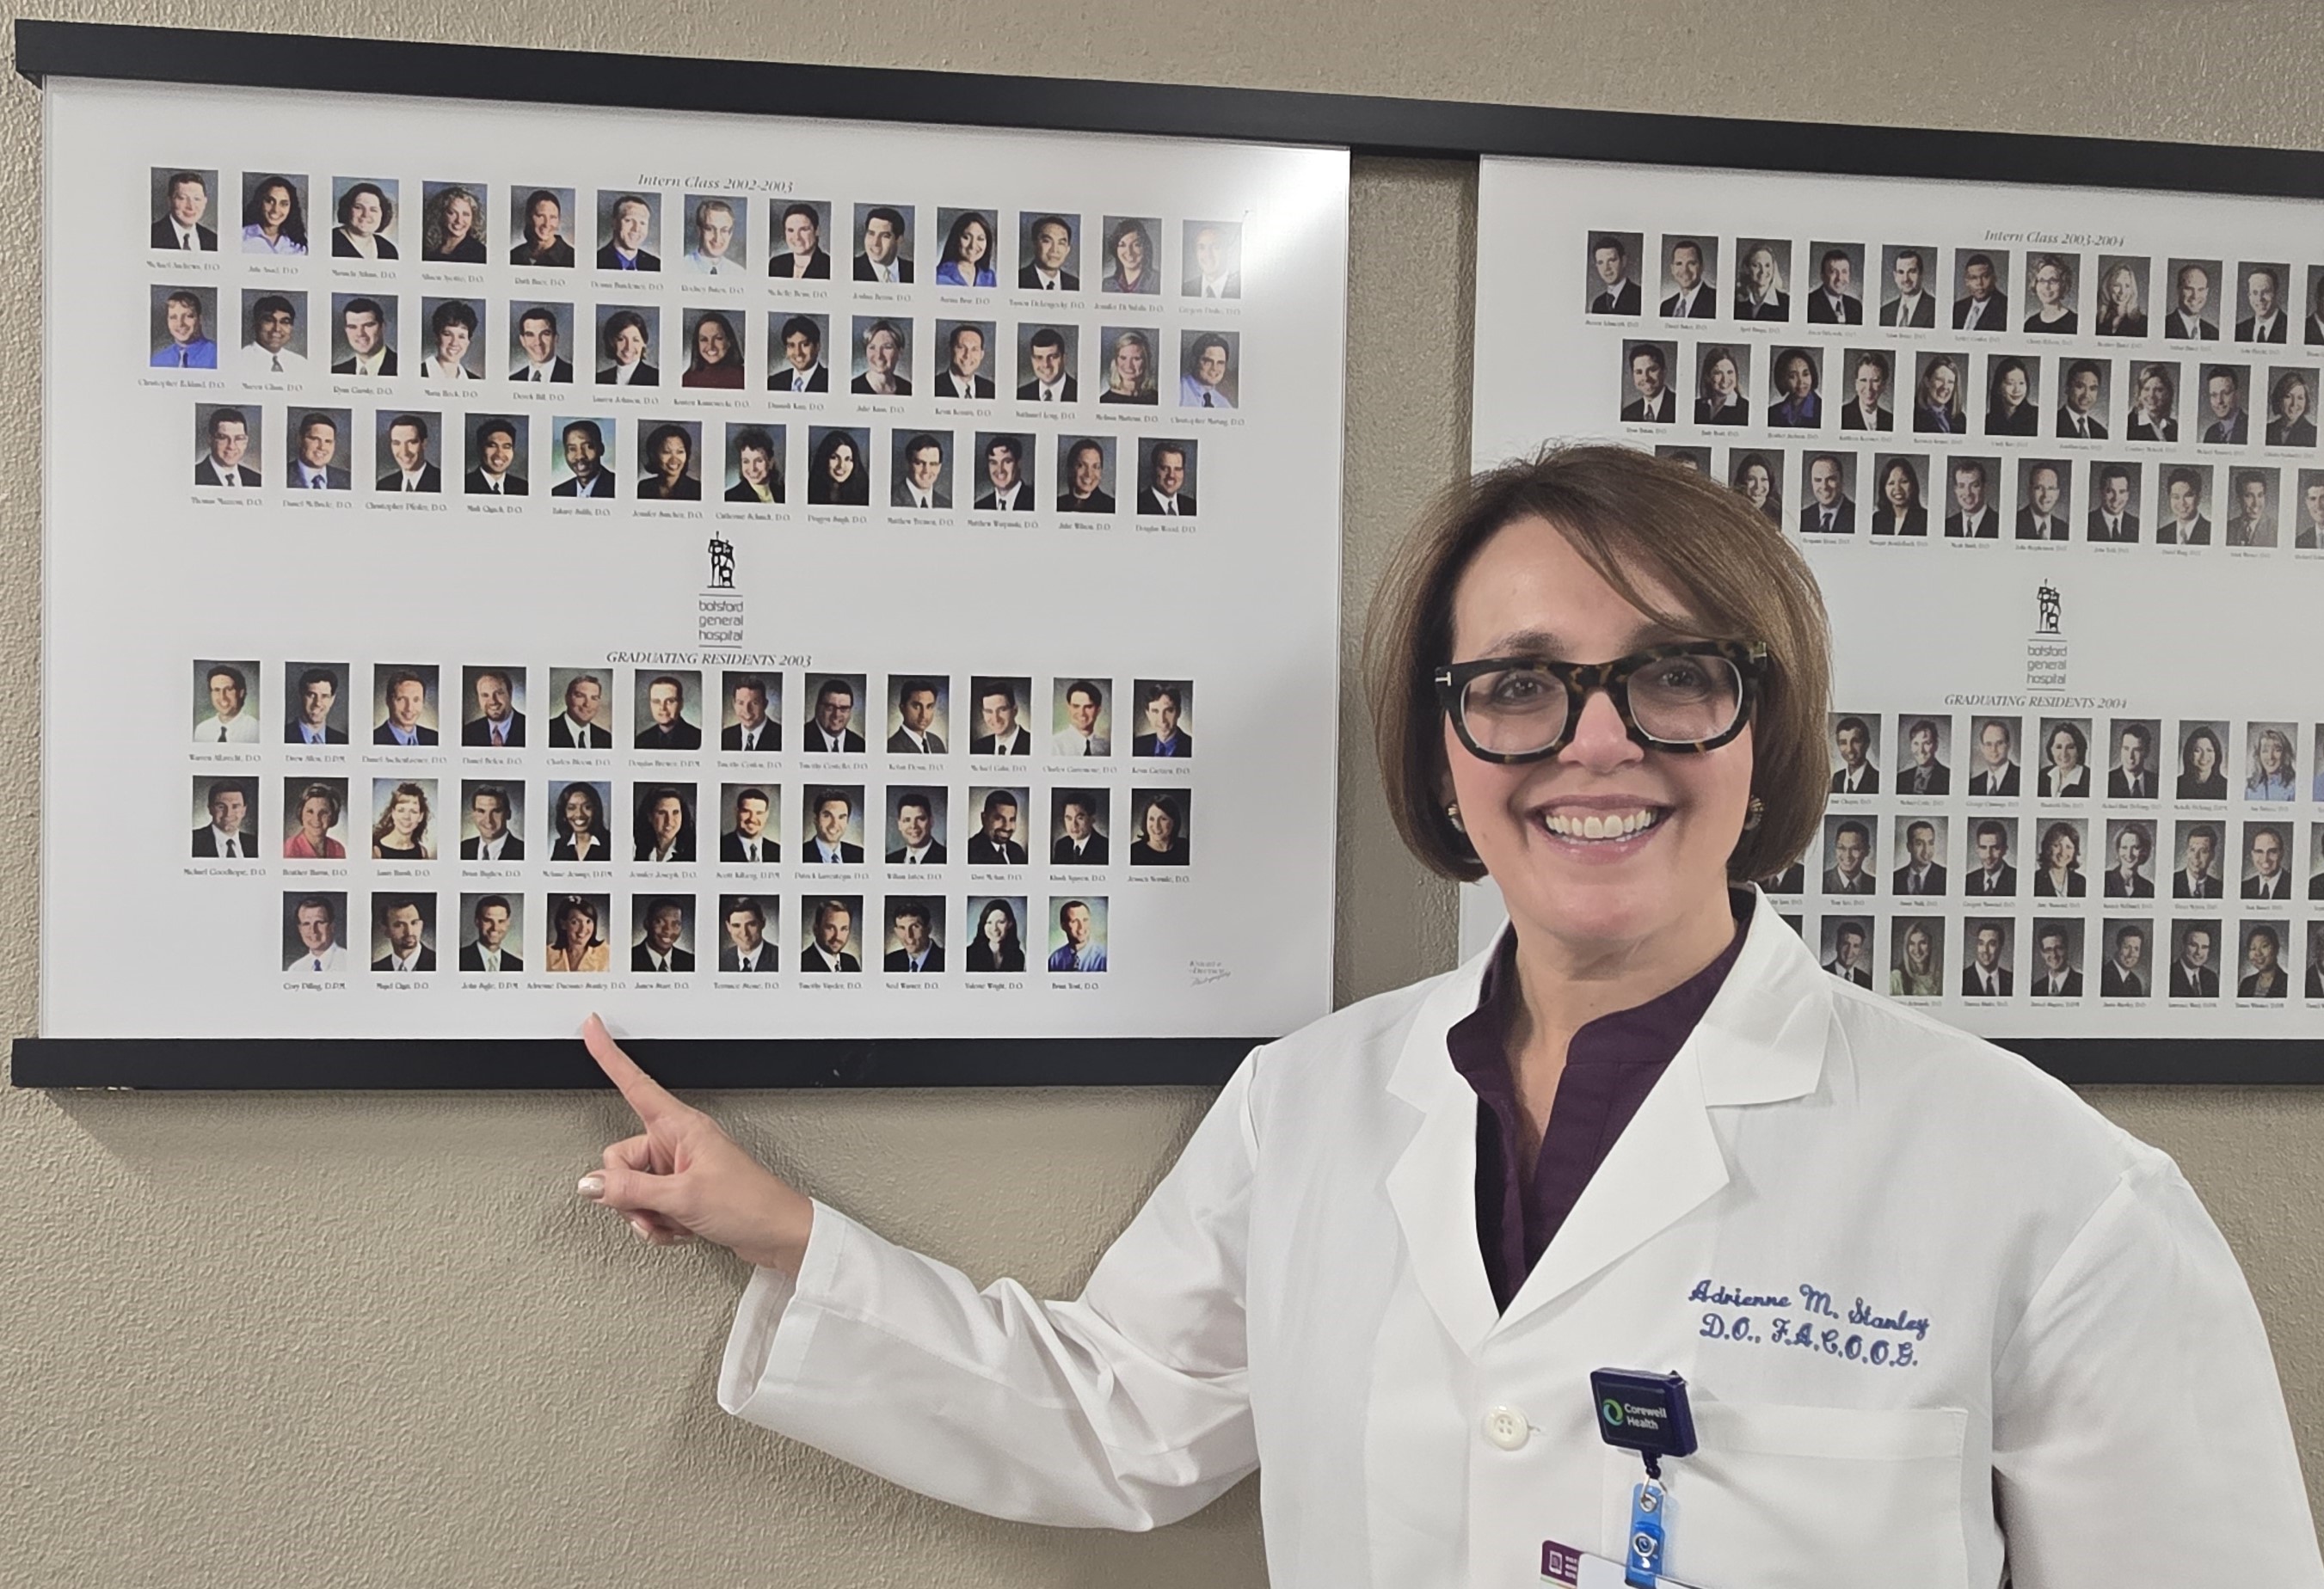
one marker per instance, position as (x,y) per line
(1781,1497)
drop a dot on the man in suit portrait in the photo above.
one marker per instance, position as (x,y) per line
(2057,979)
(1010,492)
(1998,777)
(2310,536)
(883,241)
(2192,975)
(1847,961)
(2223,393)
(1993,877)
(1695,299)
(363,323)
(1925,774)
(664,832)
(996,707)
(1924,873)
(487,952)
(2195,878)
(2182,490)
(231,835)
(1080,844)
(403,920)
(494,842)
(828,845)
(318,692)
(2263,858)
(1164,492)
(921,486)
(585,461)
(916,714)
(1052,382)
(229,446)
(2132,776)
(407,445)
(827,730)
(625,250)
(2186,321)
(834,925)
(496,454)
(1079,736)
(657,952)
(753,730)
(405,694)
(1609,257)
(745,950)
(581,725)
(917,951)
(2079,418)
(1986,975)
(1656,403)
(1851,844)
(802,257)
(2040,519)
(314,460)
(1213,276)
(1911,306)
(2263,296)
(1833,302)
(1856,775)
(2263,952)
(2112,521)
(1833,511)
(1163,737)
(1972,518)
(180,227)
(995,844)
(190,347)
(964,378)
(918,843)
(1870,411)
(802,369)
(2253,524)
(1199,388)
(273,320)
(538,334)
(747,843)
(1983,309)
(1052,251)
(2124,975)
(497,723)
(667,729)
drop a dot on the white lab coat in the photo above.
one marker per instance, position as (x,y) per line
(2088,1385)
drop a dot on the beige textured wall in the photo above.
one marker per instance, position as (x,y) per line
(353,1340)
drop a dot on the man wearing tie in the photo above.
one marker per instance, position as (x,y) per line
(2263,292)
(1971,518)
(963,380)
(804,369)
(537,333)
(626,249)
(180,227)
(2112,521)
(1080,844)
(1004,458)
(1911,306)
(313,466)
(1656,404)
(1694,299)
(318,691)
(753,730)
(1985,977)
(995,844)
(1998,778)
(2186,321)
(406,694)
(883,237)
(404,923)
(827,731)
(2254,524)
(2079,418)
(497,723)
(488,814)
(916,716)
(997,709)
(488,952)
(273,320)
(747,843)
(363,323)
(225,838)
(2264,856)
(1164,494)
(2058,979)
(494,450)
(224,465)
(1994,878)
(916,843)
(2192,975)
(407,443)
(834,922)
(2196,879)
(745,950)
(1051,382)
(1870,383)
(1856,775)
(829,846)
(657,952)
(1832,512)
(577,728)
(1079,736)
(921,487)
(2133,778)
(189,347)
(1984,309)
(1851,842)
(2223,390)
(320,952)
(227,723)
(2310,535)
(2120,976)
(2040,520)
(1924,873)
(2183,488)
(1926,775)
(1199,388)
(585,461)
(1831,303)
(1213,278)
(1163,737)
(917,951)
(1052,251)
(1847,961)
(1618,294)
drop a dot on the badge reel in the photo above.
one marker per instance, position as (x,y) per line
(1646,1413)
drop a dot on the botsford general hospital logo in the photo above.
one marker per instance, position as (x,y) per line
(1611,1412)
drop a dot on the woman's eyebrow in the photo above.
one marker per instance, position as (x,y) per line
(1543,642)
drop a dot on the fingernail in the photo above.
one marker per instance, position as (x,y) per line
(593,1185)
(645,1231)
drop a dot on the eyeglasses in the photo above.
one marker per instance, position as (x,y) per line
(1685,698)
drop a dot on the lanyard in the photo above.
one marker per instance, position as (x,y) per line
(1646,1413)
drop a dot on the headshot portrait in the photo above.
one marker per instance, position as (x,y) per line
(452,223)
(2316,861)
(2253,520)
(2060,874)
(1213,253)
(494,942)
(834,720)
(2087,400)
(1049,246)
(539,219)
(1081,827)
(629,229)
(1973,513)
(1166,469)
(1133,256)
(580,834)
(666,706)
(2136,772)
(1722,375)
(2262,973)
(967,349)
(661,824)
(1796,389)
(999,818)
(2065,748)
(182,222)
(1989,872)
(226,818)
(1847,951)
(839,466)
(717,234)
(404,819)
(1165,709)
(715,359)
(2193,317)
(1831,507)
(1758,480)
(828,922)
(1004,487)
(1644,389)
(2186,492)
(1690,270)
(1132,369)
(1871,381)
(2224,422)
(1937,384)
(2195,959)
(754,463)
(577,927)
(1916,965)
(832,825)
(2057,958)
(1160,835)
(316,693)
(670,456)
(492,821)
(798,342)
(2154,411)
(800,226)
(276,325)
(365,210)
(1763,275)
(2310,536)
(2051,290)
(2268,861)
(2202,761)
(628,338)
(1848,842)
(1925,767)
(919,713)
(407,445)
(751,723)
(2117,489)
(1001,729)
(1989,957)
(2013,395)
(2042,489)
(970,250)
(1855,755)
(1085,477)
(1918,863)
(274,214)
(1081,718)
(180,331)
(918,820)
(1077,935)
(364,335)
(1048,356)
(229,455)
(2272,765)
(498,447)
(2262,316)
(746,922)
(1609,283)
(583,449)
(1837,298)
(1979,302)
(2122,296)
(883,244)
(537,354)
(2313,331)
(921,468)
(1898,505)
(1791,879)
(1908,293)
(882,353)
(2290,408)
(2196,871)
(1695,458)
(314,934)
(2128,969)
(916,936)
(1210,369)
(493,707)
(1996,741)
(998,945)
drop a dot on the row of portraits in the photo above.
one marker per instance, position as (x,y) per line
(1916,757)
(623,344)
(752,465)
(657,933)
(668,712)
(706,234)
(1909,286)
(1986,959)
(583,822)
(1960,392)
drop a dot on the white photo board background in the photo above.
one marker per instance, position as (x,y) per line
(1750,323)
(1186,565)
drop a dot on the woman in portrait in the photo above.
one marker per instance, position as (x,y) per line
(1131,265)
(1718,393)
(544,245)
(1161,839)
(2008,406)
(967,260)
(2060,876)
(1130,371)
(761,472)
(2053,281)
(2273,774)
(401,833)
(717,358)
(451,331)
(580,825)
(2158,396)
(1755,479)
(366,213)
(1936,399)
(2119,314)
(836,476)
(625,343)
(670,454)
(1916,974)
(2067,774)
(2201,764)
(1900,510)
(453,232)
(318,814)
(577,947)
(1760,295)
(1801,408)
(2133,846)
(273,221)
(2291,411)
(996,947)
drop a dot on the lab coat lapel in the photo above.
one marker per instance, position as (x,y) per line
(1433,1184)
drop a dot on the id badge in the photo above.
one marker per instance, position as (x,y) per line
(1578,1569)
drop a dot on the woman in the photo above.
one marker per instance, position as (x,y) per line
(2061,873)
(401,833)
(717,355)
(1901,511)
(2053,293)
(2290,400)
(2008,409)
(967,258)
(452,330)
(365,212)
(1133,269)
(1760,295)
(577,947)
(1755,479)
(761,472)
(1130,371)
(1349,1279)
(273,221)
(2119,312)
(544,245)
(2201,763)
(580,825)
(452,234)
(1718,393)
(2068,775)
(1084,479)
(1801,407)
(625,344)
(2272,776)
(318,814)
(2158,395)
(2133,846)
(670,451)
(1161,842)
(836,476)
(1936,408)
(997,947)
(1916,974)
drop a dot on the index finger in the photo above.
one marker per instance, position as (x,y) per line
(648,1096)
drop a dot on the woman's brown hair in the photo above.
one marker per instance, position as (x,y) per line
(1733,575)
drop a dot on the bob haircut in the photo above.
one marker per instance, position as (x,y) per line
(1732,571)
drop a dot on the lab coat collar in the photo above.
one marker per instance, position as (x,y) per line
(1762,1041)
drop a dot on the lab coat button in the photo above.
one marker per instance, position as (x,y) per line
(1505,1427)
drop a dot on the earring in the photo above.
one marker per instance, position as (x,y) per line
(1753,813)
(1452,815)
